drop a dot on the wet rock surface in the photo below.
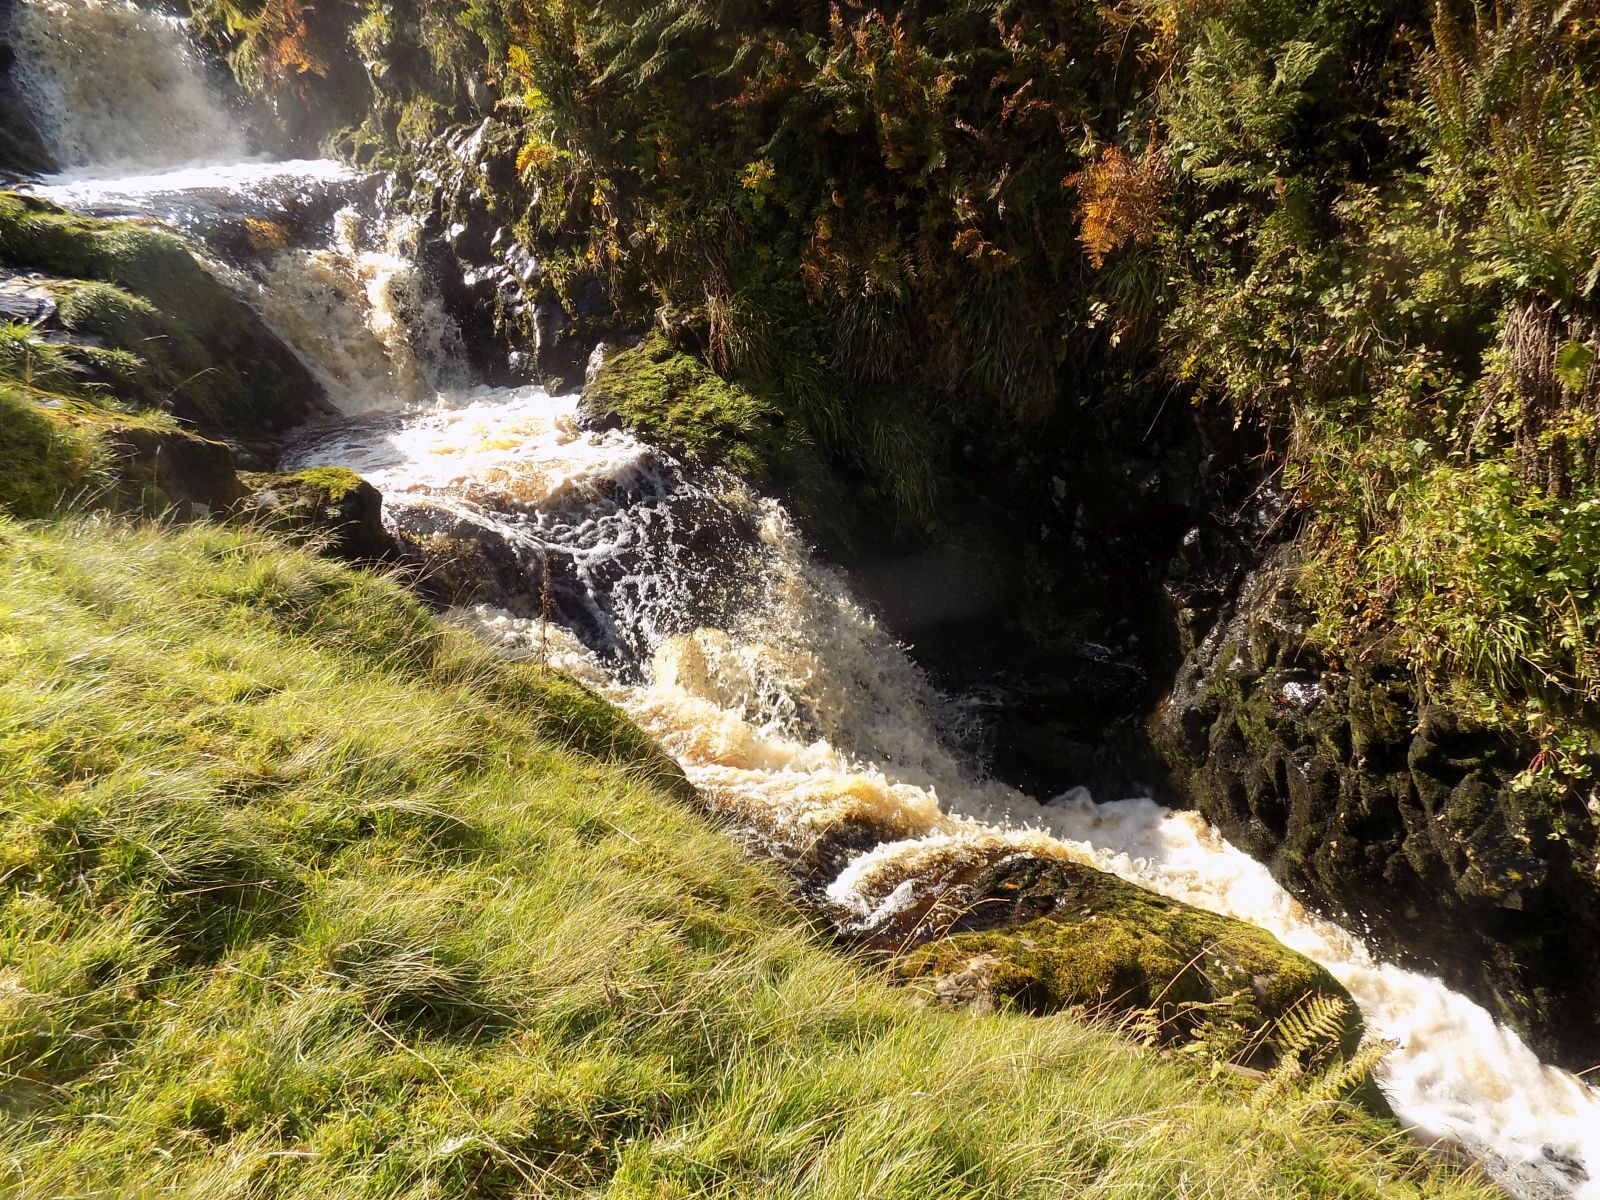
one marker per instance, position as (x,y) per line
(23,152)
(491,279)
(1394,814)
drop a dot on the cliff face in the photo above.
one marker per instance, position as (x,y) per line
(1393,812)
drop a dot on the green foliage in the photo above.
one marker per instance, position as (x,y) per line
(674,400)
(1420,340)
(1369,228)
(304,894)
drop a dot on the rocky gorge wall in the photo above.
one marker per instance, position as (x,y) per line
(1396,813)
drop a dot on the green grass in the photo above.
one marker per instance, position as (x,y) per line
(305,894)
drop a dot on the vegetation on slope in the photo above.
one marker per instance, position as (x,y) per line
(306,894)
(149,326)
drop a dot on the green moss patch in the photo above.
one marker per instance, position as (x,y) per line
(1107,946)
(674,400)
(44,458)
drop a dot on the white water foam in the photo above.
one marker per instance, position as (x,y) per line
(148,191)
(360,315)
(115,89)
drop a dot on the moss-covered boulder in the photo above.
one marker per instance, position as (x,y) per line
(59,450)
(168,471)
(674,400)
(202,354)
(331,506)
(1047,934)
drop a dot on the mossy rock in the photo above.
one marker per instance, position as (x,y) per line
(331,506)
(1046,935)
(171,472)
(675,401)
(47,458)
(207,357)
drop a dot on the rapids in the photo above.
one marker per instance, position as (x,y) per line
(694,604)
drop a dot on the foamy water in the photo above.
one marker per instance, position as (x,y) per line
(114,88)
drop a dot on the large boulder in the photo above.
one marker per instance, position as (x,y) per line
(330,507)
(1047,934)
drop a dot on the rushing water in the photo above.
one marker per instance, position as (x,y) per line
(115,88)
(693,603)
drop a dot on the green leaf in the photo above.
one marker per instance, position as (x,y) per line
(1572,364)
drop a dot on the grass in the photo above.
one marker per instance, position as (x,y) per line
(306,895)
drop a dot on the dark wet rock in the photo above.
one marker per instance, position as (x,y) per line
(24,153)
(463,184)
(1394,814)
(1047,934)
(25,298)
(328,506)
(461,561)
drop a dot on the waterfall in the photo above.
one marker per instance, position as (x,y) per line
(115,89)
(695,605)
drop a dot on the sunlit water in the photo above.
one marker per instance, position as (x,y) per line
(694,605)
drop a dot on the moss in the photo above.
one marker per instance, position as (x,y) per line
(47,457)
(206,355)
(330,507)
(335,483)
(673,400)
(1108,946)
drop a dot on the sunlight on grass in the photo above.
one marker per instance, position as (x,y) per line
(308,895)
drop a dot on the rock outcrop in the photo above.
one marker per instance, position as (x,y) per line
(330,507)
(1394,813)
(1049,934)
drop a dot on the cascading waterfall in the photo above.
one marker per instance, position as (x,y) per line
(696,607)
(356,312)
(800,720)
(115,88)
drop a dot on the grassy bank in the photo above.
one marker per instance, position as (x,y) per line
(306,895)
